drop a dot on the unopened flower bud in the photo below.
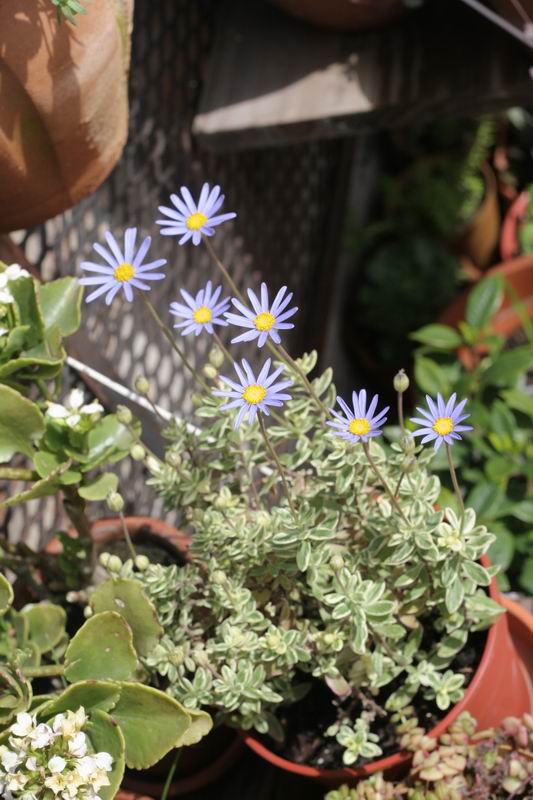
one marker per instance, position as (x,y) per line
(137,452)
(200,657)
(197,400)
(142,385)
(152,464)
(115,502)
(216,357)
(401,382)
(87,612)
(142,562)
(407,442)
(337,562)
(218,577)
(104,559)
(124,415)
(173,458)
(209,371)
(114,564)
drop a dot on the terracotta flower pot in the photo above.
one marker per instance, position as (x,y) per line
(350,15)
(509,244)
(501,687)
(478,237)
(131,796)
(202,763)
(64,109)
(518,273)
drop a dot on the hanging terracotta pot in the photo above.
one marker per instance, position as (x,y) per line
(202,763)
(349,15)
(478,237)
(501,686)
(63,105)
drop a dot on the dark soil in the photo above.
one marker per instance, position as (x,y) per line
(306,721)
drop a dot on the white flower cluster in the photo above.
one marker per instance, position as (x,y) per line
(47,761)
(11,273)
(74,409)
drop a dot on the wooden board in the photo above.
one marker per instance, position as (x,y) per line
(272,79)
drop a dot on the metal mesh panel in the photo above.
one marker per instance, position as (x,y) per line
(282,196)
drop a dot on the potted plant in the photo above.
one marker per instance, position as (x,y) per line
(517,228)
(324,593)
(492,763)
(64,115)
(493,335)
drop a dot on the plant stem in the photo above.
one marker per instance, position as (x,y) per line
(127,536)
(456,486)
(223,347)
(281,471)
(383,481)
(400,479)
(17,474)
(167,333)
(233,286)
(301,374)
(75,508)
(46,671)
(170,775)
(400,411)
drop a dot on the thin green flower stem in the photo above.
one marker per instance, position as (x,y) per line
(276,350)
(17,474)
(400,411)
(456,486)
(167,333)
(127,536)
(301,374)
(383,482)
(223,347)
(278,464)
(46,671)
(402,476)
(224,271)
(170,776)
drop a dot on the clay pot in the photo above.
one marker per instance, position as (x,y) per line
(501,687)
(518,273)
(344,15)
(64,105)
(509,244)
(478,238)
(202,763)
(131,796)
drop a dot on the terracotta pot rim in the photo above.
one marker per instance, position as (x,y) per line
(396,759)
(509,244)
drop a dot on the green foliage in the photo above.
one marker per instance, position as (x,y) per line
(496,459)
(68,9)
(85,657)
(525,229)
(341,591)
(493,764)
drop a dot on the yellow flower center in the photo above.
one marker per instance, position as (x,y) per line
(202,315)
(124,272)
(443,426)
(264,321)
(254,394)
(196,221)
(359,427)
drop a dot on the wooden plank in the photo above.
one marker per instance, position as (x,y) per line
(273,80)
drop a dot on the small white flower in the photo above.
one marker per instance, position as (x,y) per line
(86,766)
(57,783)
(78,745)
(17,781)
(57,764)
(98,779)
(104,761)
(42,736)
(14,272)
(24,724)
(9,760)
(73,409)
(31,763)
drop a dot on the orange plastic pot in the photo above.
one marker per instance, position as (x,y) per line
(501,687)
(344,15)
(509,244)
(202,763)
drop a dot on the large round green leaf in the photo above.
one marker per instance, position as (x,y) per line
(92,695)
(20,423)
(6,594)
(106,737)
(46,625)
(127,598)
(101,649)
(61,302)
(152,723)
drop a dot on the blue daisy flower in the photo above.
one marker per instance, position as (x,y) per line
(124,270)
(359,423)
(253,394)
(201,312)
(191,220)
(442,423)
(265,320)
